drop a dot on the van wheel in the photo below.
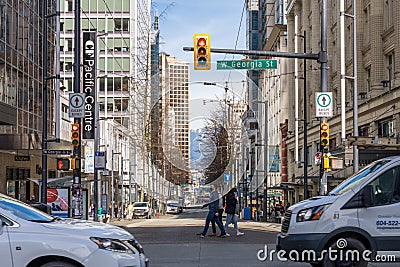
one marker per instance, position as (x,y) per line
(58,264)
(346,247)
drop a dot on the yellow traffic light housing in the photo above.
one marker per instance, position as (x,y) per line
(324,134)
(75,134)
(202,53)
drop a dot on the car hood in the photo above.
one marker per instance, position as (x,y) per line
(88,228)
(313,202)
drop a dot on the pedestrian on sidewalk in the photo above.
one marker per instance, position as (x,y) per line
(213,213)
(231,202)
(221,204)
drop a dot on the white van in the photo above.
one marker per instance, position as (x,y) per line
(172,206)
(29,237)
(360,216)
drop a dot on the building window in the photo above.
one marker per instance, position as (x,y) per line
(363,130)
(388,14)
(368,79)
(309,156)
(367,28)
(389,66)
(386,128)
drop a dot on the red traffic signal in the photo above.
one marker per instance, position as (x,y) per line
(63,164)
(324,134)
(75,134)
(202,52)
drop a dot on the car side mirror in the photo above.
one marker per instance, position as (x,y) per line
(363,199)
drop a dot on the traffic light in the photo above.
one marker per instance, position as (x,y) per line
(202,54)
(324,134)
(75,134)
(63,164)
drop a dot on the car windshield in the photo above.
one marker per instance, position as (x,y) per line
(23,211)
(140,204)
(172,204)
(357,178)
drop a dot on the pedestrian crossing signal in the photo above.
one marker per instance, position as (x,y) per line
(63,164)
(202,53)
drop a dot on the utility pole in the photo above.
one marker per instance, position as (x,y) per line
(76,190)
(266,167)
(324,81)
(44,105)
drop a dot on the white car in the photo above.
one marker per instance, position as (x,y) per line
(141,209)
(29,237)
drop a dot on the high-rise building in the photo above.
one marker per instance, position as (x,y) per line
(123,31)
(175,139)
(21,87)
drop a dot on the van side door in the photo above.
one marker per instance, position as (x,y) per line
(5,249)
(382,219)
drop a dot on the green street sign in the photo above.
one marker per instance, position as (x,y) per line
(257,64)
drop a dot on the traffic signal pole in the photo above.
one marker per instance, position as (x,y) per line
(77,188)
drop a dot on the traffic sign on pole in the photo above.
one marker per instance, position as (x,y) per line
(257,64)
(324,104)
(76,105)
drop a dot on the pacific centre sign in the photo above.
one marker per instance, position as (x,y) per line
(89,84)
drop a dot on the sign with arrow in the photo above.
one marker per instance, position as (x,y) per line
(76,105)
(324,104)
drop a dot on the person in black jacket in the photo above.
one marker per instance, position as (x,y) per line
(213,213)
(230,210)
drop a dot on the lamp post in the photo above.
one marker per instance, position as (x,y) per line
(112,182)
(265,195)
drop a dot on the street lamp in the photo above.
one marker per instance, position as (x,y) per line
(265,195)
(112,182)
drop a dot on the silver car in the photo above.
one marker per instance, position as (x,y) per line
(29,237)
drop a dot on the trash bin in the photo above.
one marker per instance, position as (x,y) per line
(246,213)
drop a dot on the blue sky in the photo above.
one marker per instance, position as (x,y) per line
(219,18)
(181,19)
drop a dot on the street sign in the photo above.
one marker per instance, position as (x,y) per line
(76,105)
(227,177)
(100,160)
(324,104)
(318,157)
(57,152)
(257,64)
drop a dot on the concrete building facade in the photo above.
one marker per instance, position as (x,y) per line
(377,83)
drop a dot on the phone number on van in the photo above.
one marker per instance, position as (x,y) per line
(389,223)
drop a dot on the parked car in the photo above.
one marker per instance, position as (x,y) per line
(141,209)
(30,237)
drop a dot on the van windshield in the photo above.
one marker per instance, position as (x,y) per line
(140,204)
(357,178)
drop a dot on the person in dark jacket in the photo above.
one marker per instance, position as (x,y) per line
(213,213)
(221,204)
(230,210)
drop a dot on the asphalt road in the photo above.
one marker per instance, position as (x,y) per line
(171,241)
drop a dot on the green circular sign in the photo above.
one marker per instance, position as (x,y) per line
(324,100)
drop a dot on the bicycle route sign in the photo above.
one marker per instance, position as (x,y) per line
(76,105)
